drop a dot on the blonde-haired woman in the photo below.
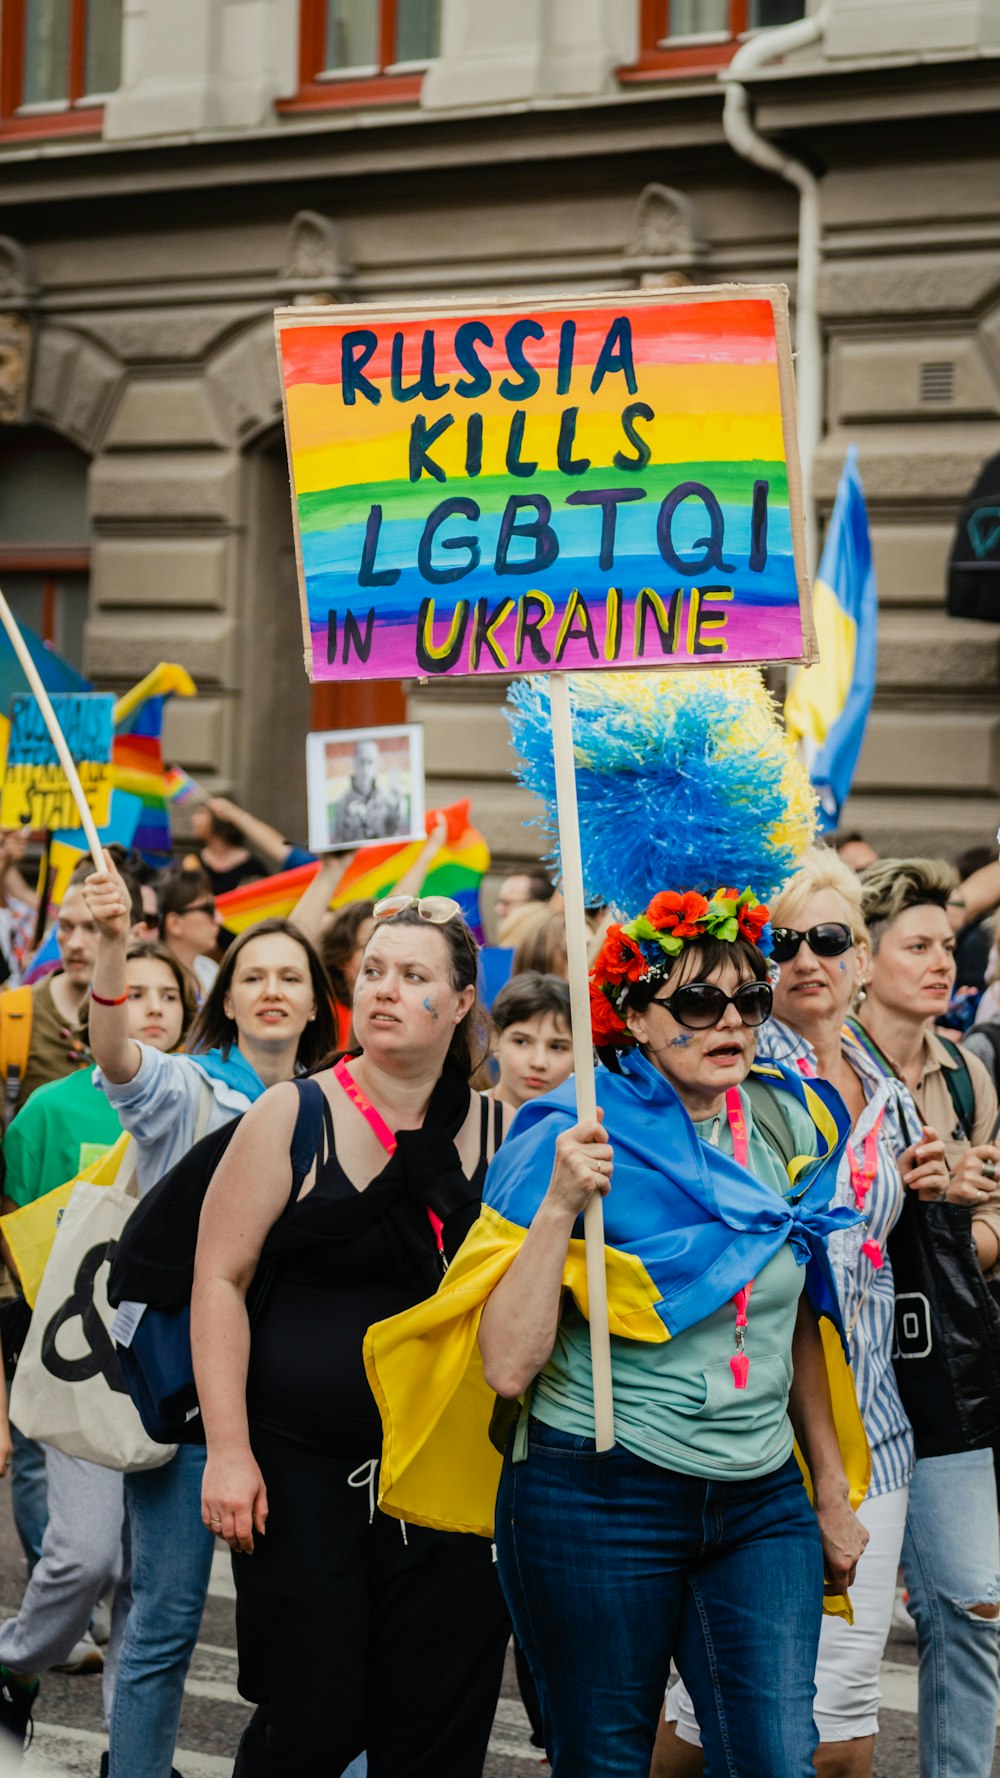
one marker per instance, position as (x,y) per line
(822,947)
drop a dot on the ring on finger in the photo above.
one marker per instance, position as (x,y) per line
(989,1170)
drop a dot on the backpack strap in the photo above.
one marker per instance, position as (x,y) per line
(961,1091)
(769,1117)
(306,1134)
(16,1009)
(990,1029)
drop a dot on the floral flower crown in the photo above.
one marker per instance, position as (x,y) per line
(645,950)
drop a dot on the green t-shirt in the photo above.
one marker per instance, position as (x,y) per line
(677,1404)
(65,1126)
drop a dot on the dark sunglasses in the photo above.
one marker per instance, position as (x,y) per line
(700,1005)
(200,907)
(831,939)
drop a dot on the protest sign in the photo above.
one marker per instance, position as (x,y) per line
(554,486)
(364,784)
(36,790)
(595,482)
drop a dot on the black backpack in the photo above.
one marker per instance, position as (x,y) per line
(974,567)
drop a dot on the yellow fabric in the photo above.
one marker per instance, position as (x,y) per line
(817,695)
(855,1453)
(30,1231)
(424,1367)
(166,679)
(16,1009)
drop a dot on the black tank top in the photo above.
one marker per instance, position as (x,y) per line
(340,1270)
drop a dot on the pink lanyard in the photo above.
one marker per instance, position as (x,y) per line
(862,1174)
(739,1364)
(380,1129)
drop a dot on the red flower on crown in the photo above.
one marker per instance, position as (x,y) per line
(678,914)
(607,1027)
(751,921)
(619,959)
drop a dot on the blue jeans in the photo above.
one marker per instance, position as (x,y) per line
(951,1560)
(611,1566)
(171,1564)
(29,1495)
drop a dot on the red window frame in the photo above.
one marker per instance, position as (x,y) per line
(655,60)
(383,88)
(76,119)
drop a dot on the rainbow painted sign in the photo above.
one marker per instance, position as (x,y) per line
(603,482)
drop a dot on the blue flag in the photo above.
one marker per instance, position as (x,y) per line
(827,705)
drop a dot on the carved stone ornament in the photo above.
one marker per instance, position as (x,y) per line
(17,280)
(15,366)
(665,230)
(317,269)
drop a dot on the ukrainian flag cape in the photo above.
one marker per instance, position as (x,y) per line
(685,1228)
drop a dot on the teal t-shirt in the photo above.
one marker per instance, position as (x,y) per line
(64,1126)
(677,1404)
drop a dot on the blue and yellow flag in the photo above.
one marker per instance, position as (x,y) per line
(685,1228)
(827,705)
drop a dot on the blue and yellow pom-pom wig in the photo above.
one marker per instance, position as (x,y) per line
(685,780)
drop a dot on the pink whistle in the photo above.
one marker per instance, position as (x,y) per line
(739,1364)
(874,1253)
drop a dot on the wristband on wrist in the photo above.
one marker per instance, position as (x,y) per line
(101,1001)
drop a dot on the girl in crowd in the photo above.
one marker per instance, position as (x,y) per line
(693,1537)
(267,1016)
(221,849)
(533,1046)
(354,1631)
(822,947)
(951,1552)
(81,1548)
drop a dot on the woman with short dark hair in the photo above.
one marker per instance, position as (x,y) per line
(692,1538)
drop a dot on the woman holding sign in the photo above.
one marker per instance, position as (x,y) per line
(693,1538)
(266,1017)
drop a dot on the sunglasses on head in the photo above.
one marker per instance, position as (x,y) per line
(831,939)
(436,909)
(700,1005)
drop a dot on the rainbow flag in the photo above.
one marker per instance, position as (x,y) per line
(543,485)
(457,870)
(180,787)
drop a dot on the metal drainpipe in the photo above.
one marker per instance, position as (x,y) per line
(737,121)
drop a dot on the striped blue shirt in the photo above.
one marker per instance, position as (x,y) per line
(866,1293)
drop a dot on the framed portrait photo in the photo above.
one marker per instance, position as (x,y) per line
(365,787)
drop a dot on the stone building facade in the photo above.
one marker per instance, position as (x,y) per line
(147,238)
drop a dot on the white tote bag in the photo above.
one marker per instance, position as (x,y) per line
(68,1390)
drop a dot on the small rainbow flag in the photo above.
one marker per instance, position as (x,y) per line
(180,786)
(457,870)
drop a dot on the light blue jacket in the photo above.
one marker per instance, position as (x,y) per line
(160,1107)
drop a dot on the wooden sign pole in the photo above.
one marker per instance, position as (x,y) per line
(583,1049)
(56,735)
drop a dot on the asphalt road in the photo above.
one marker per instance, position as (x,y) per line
(69,1736)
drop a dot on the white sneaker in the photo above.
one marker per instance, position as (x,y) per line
(901,1619)
(86,1657)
